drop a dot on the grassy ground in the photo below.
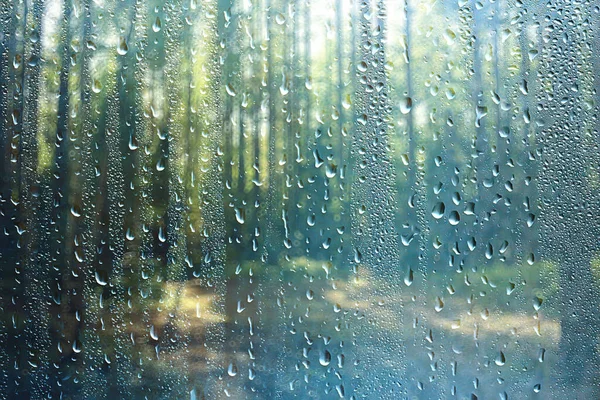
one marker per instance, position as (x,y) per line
(300,333)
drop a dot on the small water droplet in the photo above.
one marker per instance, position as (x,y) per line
(280,19)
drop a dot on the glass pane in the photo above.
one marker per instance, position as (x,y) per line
(299,199)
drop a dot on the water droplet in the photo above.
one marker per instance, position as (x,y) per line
(530,258)
(500,359)
(438,210)
(409,277)
(77,346)
(489,251)
(406,105)
(96,86)
(347,102)
(439,304)
(530,220)
(157,25)
(101,278)
(129,235)
(232,370)
(160,165)
(153,333)
(325,358)
(541,354)
(280,19)
(454,218)
(240,215)
(471,243)
(122,49)
(230,90)
(75,211)
(162,237)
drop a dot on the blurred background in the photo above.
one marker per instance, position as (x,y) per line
(317,199)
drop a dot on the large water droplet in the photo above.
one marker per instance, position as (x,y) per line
(500,359)
(240,215)
(122,49)
(325,358)
(438,210)
(406,105)
(454,218)
(157,25)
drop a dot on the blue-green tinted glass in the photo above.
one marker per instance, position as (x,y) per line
(299,199)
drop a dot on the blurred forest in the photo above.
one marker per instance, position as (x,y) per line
(380,199)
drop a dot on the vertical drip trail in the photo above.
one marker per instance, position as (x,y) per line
(211,198)
(566,192)
(174,340)
(5,259)
(36,277)
(375,243)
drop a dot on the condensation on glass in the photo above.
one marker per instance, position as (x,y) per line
(377,199)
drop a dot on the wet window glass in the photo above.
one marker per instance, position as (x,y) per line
(316,199)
